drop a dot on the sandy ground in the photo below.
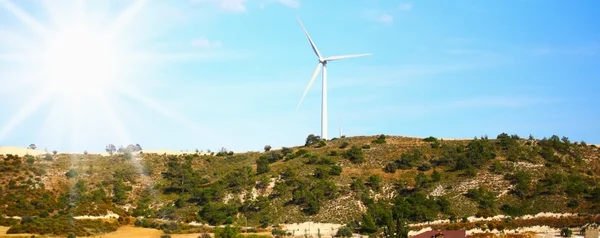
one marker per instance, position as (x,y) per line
(299,229)
(498,217)
(3,230)
(172,152)
(14,150)
(20,151)
(131,231)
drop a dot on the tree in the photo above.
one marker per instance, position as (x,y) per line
(227,232)
(32,146)
(264,221)
(110,149)
(262,165)
(267,148)
(312,139)
(368,224)
(566,232)
(396,229)
(436,176)
(420,180)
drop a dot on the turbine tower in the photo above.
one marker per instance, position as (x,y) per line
(322,63)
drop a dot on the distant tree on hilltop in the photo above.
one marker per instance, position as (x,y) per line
(312,139)
(32,146)
(110,149)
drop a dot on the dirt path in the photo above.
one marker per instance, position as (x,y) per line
(131,231)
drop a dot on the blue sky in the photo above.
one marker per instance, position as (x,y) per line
(208,74)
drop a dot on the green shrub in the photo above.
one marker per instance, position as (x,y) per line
(321,144)
(573,204)
(355,155)
(344,145)
(430,139)
(436,176)
(285,151)
(335,170)
(379,140)
(344,231)
(320,173)
(390,167)
(425,166)
(72,173)
(312,159)
(227,232)
(375,182)
(366,147)
(262,165)
(566,232)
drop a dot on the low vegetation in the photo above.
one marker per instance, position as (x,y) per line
(374,185)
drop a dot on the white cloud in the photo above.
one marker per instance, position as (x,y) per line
(385,18)
(289,3)
(404,6)
(235,6)
(203,42)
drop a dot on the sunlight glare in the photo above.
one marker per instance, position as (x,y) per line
(79,62)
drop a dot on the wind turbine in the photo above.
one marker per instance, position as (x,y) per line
(322,63)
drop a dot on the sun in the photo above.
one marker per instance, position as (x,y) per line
(79,71)
(80,61)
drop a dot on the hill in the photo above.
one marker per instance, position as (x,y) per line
(369,183)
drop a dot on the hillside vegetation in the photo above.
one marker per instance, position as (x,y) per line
(371,183)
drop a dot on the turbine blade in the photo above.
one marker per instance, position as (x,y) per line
(312,44)
(312,80)
(344,57)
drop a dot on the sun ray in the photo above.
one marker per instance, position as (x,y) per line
(184,56)
(53,126)
(80,4)
(157,107)
(14,41)
(33,24)
(114,120)
(24,112)
(76,138)
(16,58)
(125,18)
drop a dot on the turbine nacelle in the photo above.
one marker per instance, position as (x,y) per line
(322,64)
